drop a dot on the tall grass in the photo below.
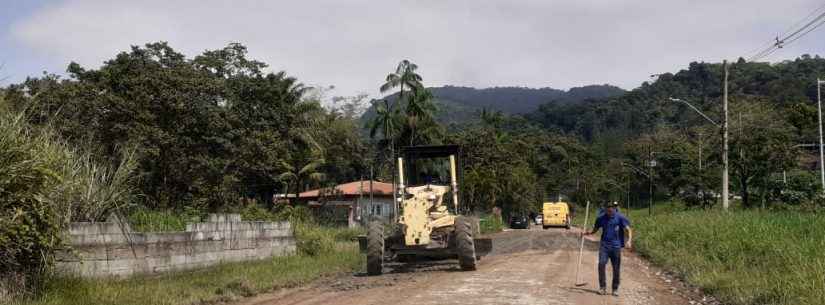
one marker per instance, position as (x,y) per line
(743,257)
(206,286)
(45,184)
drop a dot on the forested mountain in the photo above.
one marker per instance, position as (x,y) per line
(462,104)
(772,109)
(790,86)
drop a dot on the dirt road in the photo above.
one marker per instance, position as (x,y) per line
(526,267)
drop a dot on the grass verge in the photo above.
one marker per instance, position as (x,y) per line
(212,285)
(741,257)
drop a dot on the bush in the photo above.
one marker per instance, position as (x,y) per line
(46,184)
(491,224)
(313,240)
(29,222)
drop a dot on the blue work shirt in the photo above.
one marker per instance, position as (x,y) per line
(612,230)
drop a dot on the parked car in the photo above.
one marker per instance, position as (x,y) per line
(519,222)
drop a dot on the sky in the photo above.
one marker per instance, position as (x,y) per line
(354,44)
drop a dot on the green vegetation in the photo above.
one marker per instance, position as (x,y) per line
(45,184)
(742,257)
(491,224)
(772,109)
(166,139)
(207,286)
(207,131)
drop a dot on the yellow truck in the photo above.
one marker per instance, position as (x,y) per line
(555,214)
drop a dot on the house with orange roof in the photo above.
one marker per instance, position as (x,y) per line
(351,204)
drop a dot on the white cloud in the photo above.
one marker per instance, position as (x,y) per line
(354,44)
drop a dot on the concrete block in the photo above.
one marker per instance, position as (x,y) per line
(216,218)
(83,228)
(96,252)
(112,228)
(158,264)
(68,268)
(121,266)
(115,239)
(207,246)
(206,227)
(136,238)
(167,249)
(102,249)
(87,240)
(205,257)
(126,251)
(275,233)
(168,237)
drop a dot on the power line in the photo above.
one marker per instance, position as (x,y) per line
(814,12)
(806,32)
(792,35)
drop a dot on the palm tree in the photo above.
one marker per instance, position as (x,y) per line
(300,171)
(419,111)
(404,75)
(386,119)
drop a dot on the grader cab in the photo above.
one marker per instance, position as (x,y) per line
(429,224)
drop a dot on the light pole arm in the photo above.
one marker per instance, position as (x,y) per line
(695,109)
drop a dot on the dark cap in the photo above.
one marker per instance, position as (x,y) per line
(613,204)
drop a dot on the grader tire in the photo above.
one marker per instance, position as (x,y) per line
(375,248)
(464,244)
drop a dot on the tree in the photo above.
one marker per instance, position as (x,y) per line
(207,130)
(761,144)
(420,126)
(404,75)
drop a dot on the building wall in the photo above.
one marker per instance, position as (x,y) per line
(112,249)
(381,207)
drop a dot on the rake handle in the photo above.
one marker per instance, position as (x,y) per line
(581,246)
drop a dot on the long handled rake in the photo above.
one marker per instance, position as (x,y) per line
(581,247)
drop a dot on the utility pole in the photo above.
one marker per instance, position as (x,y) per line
(821,158)
(700,151)
(650,179)
(725,178)
(372,199)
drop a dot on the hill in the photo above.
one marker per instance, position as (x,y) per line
(790,86)
(462,104)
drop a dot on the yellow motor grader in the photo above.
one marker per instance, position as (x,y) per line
(428,224)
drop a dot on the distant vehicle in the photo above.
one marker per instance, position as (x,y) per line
(556,214)
(538,219)
(519,222)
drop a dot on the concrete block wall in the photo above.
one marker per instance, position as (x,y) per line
(113,249)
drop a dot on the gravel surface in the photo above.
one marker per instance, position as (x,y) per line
(525,267)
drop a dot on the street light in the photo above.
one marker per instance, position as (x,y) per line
(725,182)
(819,109)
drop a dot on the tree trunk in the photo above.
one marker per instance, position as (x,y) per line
(745,197)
